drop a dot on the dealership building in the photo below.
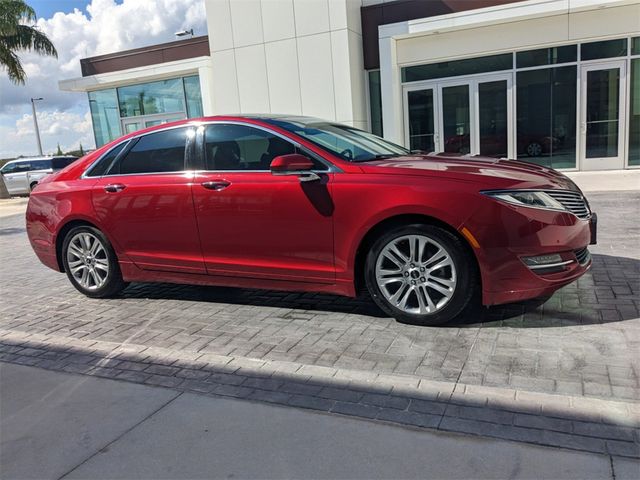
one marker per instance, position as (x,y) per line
(556,82)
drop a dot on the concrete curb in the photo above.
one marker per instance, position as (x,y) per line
(578,423)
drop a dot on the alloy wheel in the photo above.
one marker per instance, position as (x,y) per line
(416,274)
(88,260)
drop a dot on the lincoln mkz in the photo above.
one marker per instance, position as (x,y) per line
(296,203)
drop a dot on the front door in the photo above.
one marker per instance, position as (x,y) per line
(466,116)
(144,202)
(602,120)
(254,224)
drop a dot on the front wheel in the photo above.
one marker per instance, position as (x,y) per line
(421,274)
(90,263)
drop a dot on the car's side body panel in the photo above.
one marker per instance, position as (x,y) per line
(266,226)
(152,220)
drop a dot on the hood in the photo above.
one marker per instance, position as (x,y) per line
(489,172)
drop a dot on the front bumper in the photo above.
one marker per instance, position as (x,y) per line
(507,234)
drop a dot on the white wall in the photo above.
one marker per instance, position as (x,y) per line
(283,56)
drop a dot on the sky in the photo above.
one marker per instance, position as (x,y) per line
(79,29)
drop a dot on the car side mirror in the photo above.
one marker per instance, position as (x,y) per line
(294,164)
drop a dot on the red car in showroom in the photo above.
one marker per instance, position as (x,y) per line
(296,203)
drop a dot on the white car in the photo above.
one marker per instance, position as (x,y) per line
(21,176)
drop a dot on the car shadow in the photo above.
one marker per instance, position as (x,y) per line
(607,293)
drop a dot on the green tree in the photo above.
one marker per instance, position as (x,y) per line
(59,152)
(81,150)
(18,34)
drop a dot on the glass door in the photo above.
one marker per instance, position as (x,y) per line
(602,117)
(420,125)
(463,116)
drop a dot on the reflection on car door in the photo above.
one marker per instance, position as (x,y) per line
(144,202)
(255,224)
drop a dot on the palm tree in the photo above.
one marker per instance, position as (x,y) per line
(16,36)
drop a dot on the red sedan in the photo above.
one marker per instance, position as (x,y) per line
(296,203)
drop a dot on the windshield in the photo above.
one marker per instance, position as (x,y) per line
(346,142)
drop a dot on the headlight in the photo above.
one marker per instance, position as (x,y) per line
(526,198)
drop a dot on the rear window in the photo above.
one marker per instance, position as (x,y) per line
(62,162)
(105,162)
(159,152)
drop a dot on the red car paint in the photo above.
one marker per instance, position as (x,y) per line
(266,231)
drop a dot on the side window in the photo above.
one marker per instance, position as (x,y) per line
(23,167)
(105,162)
(9,168)
(40,164)
(240,147)
(154,153)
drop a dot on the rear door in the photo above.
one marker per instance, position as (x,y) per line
(144,203)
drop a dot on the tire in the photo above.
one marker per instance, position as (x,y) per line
(32,186)
(432,291)
(92,269)
(534,149)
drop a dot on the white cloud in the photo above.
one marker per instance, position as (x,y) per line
(105,27)
(68,129)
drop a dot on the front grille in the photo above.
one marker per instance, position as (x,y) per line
(572,201)
(582,255)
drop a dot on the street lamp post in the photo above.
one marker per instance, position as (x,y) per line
(35,123)
(184,33)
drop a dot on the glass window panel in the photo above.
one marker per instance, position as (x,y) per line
(194,96)
(165,96)
(105,162)
(455,68)
(456,119)
(635,46)
(238,147)
(634,114)
(547,56)
(104,115)
(375,102)
(421,126)
(546,125)
(605,49)
(492,103)
(154,153)
(603,113)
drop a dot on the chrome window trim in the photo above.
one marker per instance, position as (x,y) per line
(331,168)
(128,140)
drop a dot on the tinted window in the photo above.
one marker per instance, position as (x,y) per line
(23,167)
(40,164)
(605,49)
(105,162)
(238,147)
(154,153)
(62,162)
(456,68)
(547,56)
(9,168)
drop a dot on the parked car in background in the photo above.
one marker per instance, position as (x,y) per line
(21,176)
(297,203)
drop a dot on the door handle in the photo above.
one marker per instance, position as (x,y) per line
(216,185)
(114,187)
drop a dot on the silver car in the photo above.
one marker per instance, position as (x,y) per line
(21,176)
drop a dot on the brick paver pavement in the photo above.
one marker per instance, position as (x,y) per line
(583,344)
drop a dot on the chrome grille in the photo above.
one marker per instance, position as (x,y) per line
(572,201)
(582,255)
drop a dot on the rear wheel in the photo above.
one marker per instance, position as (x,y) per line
(90,263)
(421,274)
(32,186)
